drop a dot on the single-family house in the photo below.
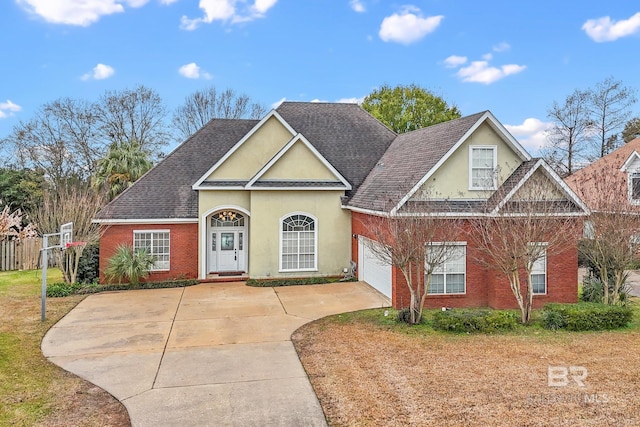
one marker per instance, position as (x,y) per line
(288,196)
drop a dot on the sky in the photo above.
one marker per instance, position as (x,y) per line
(511,57)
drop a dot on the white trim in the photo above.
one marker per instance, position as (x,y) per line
(494,177)
(285,149)
(315,242)
(272,113)
(568,192)
(144,231)
(495,124)
(146,221)
(296,188)
(633,156)
(203,235)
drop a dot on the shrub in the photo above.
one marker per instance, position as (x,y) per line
(141,285)
(88,266)
(470,321)
(267,283)
(127,264)
(61,289)
(585,316)
(592,290)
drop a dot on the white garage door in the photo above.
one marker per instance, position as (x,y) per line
(371,270)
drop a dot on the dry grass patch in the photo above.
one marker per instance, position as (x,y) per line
(369,374)
(33,391)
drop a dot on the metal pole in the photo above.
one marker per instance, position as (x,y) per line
(45,264)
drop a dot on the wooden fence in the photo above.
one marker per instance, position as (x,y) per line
(20,256)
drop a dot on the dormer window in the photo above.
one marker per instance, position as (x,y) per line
(482,167)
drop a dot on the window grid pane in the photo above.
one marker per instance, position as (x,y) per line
(298,243)
(449,278)
(482,167)
(157,244)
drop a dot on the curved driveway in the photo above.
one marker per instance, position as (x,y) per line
(208,355)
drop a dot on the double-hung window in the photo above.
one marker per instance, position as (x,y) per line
(298,243)
(482,167)
(449,276)
(156,243)
(634,188)
(539,274)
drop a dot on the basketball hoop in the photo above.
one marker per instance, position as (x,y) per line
(73,244)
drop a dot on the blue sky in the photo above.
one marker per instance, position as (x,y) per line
(511,57)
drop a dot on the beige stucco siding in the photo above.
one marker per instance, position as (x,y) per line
(254,153)
(299,163)
(209,199)
(333,230)
(451,180)
(539,187)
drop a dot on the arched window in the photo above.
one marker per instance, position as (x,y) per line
(298,243)
(227,219)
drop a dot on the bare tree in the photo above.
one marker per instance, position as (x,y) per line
(133,115)
(570,133)
(613,229)
(206,104)
(60,140)
(68,203)
(609,107)
(11,225)
(533,224)
(631,130)
(416,245)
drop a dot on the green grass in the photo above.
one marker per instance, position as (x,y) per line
(29,384)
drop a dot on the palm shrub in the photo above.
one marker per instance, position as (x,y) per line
(127,264)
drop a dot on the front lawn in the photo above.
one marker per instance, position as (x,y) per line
(33,391)
(369,370)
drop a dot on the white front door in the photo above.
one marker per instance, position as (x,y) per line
(227,243)
(228,254)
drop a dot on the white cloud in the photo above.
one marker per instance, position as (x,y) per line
(482,72)
(168,1)
(357,6)
(76,12)
(8,108)
(607,30)
(487,57)
(234,11)
(351,100)
(99,72)
(408,26)
(454,61)
(532,134)
(501,47)
(193,71)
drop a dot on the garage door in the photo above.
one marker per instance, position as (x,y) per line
(371,270)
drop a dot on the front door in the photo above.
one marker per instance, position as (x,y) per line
(228,256)
(227,242)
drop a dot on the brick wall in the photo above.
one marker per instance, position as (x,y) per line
(183,248)
(484,287)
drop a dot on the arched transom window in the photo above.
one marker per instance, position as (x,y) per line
(227,219)
(298,243)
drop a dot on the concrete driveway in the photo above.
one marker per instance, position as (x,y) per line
(207,355)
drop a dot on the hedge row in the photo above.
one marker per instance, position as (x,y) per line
(66,289)
(269,283)
(470,321)
(585,316)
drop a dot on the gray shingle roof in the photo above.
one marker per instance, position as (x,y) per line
(346,135)
(407,160)
(165,191)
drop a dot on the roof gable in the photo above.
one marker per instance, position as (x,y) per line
(632,164)
(415,156)
(298,164)
(250,153)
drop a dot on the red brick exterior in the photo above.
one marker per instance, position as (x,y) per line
(183,249)
(486,288)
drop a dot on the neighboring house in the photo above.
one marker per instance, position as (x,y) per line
(287,196)
(617,173)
